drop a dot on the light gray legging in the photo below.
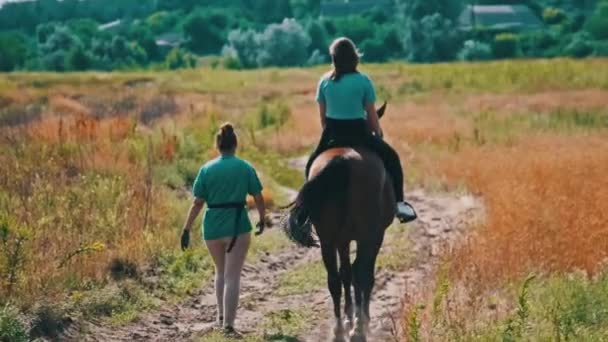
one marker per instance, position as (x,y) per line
(228,267)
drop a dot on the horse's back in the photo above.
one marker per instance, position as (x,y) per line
(369,202)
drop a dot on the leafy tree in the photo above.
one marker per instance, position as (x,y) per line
(13,51)
(429,33)
(432,39)
(205,33)
(84,29)
(269,11)
(319,40)
(538,43)
(61,39)
(418,9)
(43,31)
(356,28)
(161,22)
(377,16)
(242,46)
(302,9)
(597,24)
(119,48)
(143,36)
(552,15)
(317,58)
(179,58)
(284,44)
(78,59)
(384,46)
(54,50)
(600,49)
(505,45)
(580,46)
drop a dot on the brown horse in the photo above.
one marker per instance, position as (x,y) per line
(349,197)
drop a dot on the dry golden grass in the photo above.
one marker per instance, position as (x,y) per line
(546,207)
(77,177)
(505,104)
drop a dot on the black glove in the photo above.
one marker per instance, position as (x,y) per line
(185,239)
(261,225)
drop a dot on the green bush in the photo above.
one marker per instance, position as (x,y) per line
(538,44)
(505,45)
(552,15)
(49,321)
(475,51)
(232,63)
(178,59)
(580,46)
(597,24)
(11,327)
(600,48)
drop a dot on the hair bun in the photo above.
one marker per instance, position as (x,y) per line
(226,139)
(227,128)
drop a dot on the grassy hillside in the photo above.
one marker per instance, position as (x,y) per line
(95,169)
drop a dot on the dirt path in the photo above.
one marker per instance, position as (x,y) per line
(443,220)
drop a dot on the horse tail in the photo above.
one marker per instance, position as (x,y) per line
(330,185)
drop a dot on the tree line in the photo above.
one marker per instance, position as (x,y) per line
(131,34)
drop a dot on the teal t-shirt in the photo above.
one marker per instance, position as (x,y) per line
(226,179)
(346,98)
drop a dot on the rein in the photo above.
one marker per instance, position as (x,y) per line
(240,207)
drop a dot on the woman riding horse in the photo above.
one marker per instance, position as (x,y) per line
(355,179)
(346,100)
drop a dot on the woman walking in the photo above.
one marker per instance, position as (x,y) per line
(223,184)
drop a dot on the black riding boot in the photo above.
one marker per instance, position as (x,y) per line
(392,163)
(321,147)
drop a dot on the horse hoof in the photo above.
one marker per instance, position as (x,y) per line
(339,334)
(339,338)
(348,324)
(357,337)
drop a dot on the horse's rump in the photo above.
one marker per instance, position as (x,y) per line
(348,193)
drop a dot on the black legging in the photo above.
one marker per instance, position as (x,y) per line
(356,132)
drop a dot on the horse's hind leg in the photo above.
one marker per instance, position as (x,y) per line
(335,287)
(346,274)
(370,277)
(364,284)
(359,279)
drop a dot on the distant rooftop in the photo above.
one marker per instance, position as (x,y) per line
(335,8)
(517,17)
(170,40)
(109,25)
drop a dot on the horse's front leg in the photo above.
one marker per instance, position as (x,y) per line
(364,269)
(335,289)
